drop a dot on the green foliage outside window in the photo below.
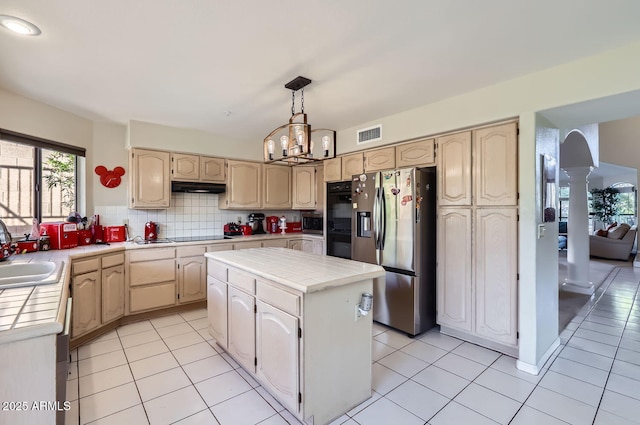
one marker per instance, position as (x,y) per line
(59,170)
(604,204)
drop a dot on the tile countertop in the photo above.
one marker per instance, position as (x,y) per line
(298,270)
(32,311)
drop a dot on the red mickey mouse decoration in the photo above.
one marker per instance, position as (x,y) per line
(108,178)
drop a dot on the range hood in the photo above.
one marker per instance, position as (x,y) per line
(197,187)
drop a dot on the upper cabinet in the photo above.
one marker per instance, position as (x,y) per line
(212,169)
(277,186)
(304,188)
(352,164)
(379,159)
(149,179)
(244,186)
(454,169)
(197,168)
(416,154)
(333,169)
(495,165)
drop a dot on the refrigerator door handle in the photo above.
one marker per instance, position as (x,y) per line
(376,230)
(383,218)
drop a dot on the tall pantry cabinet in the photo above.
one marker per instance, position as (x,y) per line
(477,236)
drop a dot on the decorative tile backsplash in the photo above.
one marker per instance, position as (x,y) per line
(191,214)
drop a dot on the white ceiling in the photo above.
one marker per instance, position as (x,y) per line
(186,63)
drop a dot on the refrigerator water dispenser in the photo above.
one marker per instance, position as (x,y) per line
(364,224)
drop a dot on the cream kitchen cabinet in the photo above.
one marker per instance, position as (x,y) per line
(192,273)
(379,159)
(219,247)
(454,169)
(217,309)
(242,327)
(332,169)
(149,179)
(275,243)
(277,186)
(312,246)
(352,164)
(212,169)
(86,290)
(454,268)
(244,186)
(495,165)
(247,244)
(496,275)
(421,153)
(151,281)
(113,285)
(304,188)
(185,167)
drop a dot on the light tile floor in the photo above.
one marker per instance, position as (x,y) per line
(169,370)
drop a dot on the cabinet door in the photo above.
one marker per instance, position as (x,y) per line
(454,169)
(496,274)
(247,245)
(454,268)
(275,243)
(277,186)
(192,275)
(242,328)
(149,179)
(185,167)
(307,246)
(86,303)
(318,247)
(495,165)
(277,351)
(212,169)
(380,159)
(295,244)
(416,154)
(152,297)
(217,310)
(244,185)
(112,293)
(352,164)
(304,188)
(332,170)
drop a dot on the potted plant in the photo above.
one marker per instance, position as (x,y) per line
(604,204)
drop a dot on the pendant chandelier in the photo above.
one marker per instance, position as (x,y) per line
(295,142)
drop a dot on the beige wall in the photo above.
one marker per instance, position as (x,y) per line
(109,151)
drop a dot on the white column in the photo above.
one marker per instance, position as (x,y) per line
(578,233)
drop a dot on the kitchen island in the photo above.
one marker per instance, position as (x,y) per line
(292,320)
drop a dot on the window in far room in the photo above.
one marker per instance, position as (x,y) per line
(38,179)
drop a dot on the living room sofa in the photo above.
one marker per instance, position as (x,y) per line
(612,248)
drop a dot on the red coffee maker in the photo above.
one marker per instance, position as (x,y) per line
(272,224)
(150,231)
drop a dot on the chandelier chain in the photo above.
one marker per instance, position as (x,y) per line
(293,102)
(302,100)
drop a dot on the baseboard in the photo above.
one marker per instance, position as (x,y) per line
(535,369)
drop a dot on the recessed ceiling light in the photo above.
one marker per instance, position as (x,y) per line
(18,25)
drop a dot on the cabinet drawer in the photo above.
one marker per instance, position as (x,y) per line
(148,272)
(190,251)
(220,247)
(217,270)
(242,280)
(152,297)
(112,260)
(279,298)
(151,254)
(85,266)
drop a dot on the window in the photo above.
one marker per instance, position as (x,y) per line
(627,205)
(37,180)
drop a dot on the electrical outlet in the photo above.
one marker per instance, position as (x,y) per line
(239,219)
(125,221)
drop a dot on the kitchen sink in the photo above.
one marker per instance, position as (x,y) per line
(13,275)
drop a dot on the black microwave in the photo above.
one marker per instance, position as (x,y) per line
(312,223)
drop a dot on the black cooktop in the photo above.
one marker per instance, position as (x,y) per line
(199,238)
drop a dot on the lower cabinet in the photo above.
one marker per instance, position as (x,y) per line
(242,327)
(86,290)
(311,246)
(192,274)
(217,310)
(277,352)
(112,293)
(151,281)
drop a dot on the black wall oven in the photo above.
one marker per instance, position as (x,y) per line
(339,219)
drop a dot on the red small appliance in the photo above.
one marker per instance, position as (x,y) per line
(62,235)
(151,231)
(85,237)
(272,224)
(114,234)
(246,229)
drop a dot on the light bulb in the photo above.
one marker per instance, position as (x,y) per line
(284,141)
(325,145)
(271,147)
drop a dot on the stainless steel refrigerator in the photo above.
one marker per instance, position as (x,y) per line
(394,225)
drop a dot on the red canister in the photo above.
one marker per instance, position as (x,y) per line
(114,234)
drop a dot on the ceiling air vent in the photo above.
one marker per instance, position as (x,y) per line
(370,134)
